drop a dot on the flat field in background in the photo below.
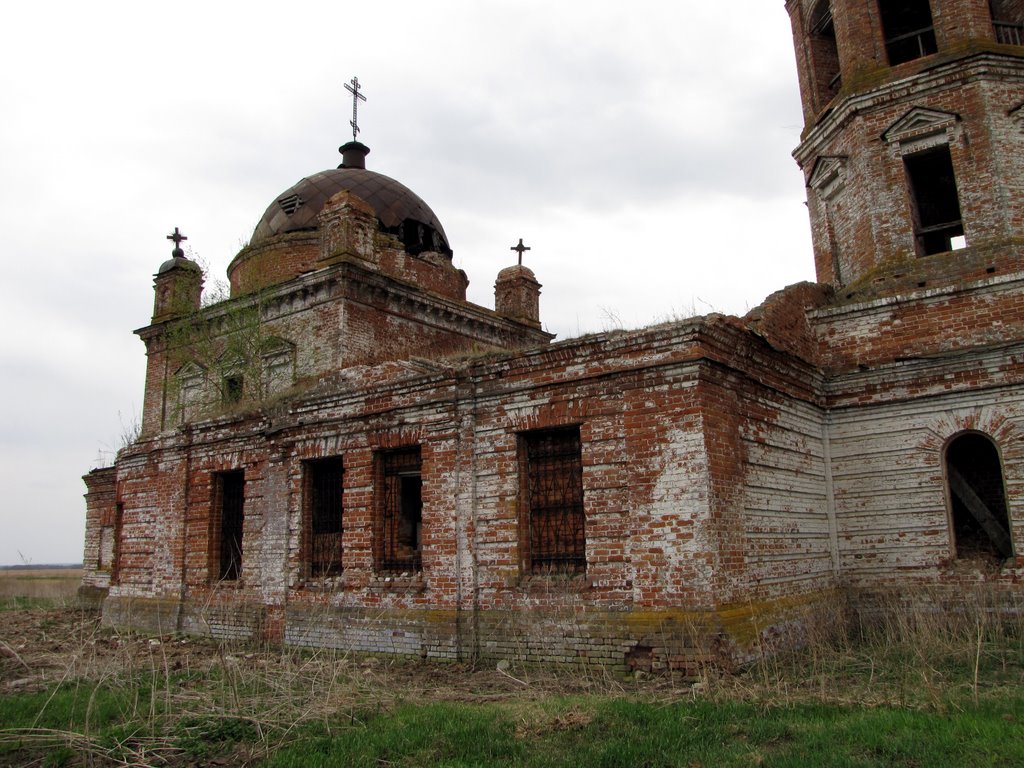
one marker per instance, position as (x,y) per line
(918,690)
(28,584)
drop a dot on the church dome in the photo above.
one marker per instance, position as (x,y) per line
(399,210)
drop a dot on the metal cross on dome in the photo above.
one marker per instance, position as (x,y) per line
(353,88)
(520,248)
(177,237)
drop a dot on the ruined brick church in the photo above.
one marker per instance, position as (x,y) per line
(347,453)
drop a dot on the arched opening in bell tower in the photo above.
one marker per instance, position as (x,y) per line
(824,53)
(1008,21)
(908,29)
(938,226)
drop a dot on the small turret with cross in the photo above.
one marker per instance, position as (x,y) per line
(517,292)
(178,283)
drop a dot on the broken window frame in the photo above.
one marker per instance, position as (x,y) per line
(978,514)
(905,42)
(552,513)
(399,519)
(227,523)
(933,189)
(323,516)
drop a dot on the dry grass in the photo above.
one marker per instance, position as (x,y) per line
(183,697)
(919,648)
(40,583)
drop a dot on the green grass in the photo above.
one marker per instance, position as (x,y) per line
(927,696)
(23,602)
(614,733)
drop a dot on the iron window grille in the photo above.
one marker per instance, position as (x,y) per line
(400,522)
(324,521)
(552,477)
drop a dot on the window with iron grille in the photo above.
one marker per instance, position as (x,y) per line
(551,479)
(228,519)
(323,479)
(400,510)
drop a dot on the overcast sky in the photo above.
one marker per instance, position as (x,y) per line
(641,149)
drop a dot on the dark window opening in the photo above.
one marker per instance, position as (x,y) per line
(115,554)
(978,498)
(233,388)
(907,26)
(936,204)
(229,509)
(1008,21)
(401,510)
(824,53)
(553,496)
(323,502)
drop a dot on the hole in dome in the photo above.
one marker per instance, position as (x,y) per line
(290,204)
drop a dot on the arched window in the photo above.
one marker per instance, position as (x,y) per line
(909,32)
(824,54)
(977,498)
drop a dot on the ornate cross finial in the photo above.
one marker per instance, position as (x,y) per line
(520,248)
(353,88)
(177,237)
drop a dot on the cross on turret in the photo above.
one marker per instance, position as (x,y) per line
(353,87)
(177,237)
(519,249)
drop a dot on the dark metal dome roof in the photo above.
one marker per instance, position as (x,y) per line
(399,210)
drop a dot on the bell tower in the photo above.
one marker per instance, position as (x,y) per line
(913,145)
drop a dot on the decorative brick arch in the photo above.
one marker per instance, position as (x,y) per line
(1003,468)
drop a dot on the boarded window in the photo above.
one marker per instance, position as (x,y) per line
(552,493)
(324,516)
(400,510)
(907,26)
(228,519)
(978,498)
(936,203)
